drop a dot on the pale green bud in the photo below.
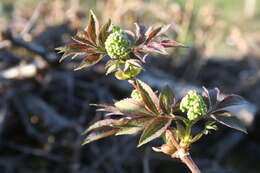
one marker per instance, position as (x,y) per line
(117,44)
(193,104)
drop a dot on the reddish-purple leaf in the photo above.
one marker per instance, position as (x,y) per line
(140,33)
(92,27)
(82,37)
(155,47)
(163,30)
(96,135)
(101,123)
(166,99)
(132,107)
(154,129)
(230,100)
(171,43)
(230,121)
(134,125)
(152,34)
(149,97)
(104,32)
(211,97)
(90,60)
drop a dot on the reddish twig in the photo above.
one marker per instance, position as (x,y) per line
(182,154)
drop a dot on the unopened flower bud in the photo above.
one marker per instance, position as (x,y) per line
(117,44)
(193,104)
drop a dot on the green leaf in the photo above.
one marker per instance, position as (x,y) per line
(96,135)
(154,129)
(180,133)
(101,123)
(134,125)
(197,137)
(111,66)
(230,121)
(166,99)
(131,106)
(149,98)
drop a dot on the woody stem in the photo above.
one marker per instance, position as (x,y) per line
(183,155)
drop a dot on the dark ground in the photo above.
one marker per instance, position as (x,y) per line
(43,113)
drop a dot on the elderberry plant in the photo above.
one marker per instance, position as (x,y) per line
(154,115)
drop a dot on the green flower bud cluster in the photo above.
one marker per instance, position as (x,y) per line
(136,95)
(117,44)
(193,104)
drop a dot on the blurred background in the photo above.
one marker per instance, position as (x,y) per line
(44,104)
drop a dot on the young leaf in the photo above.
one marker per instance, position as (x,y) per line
(131,106)
(150,34)
(230,100)
(212,96)
(134,125)
(103,34)
(101,123)
(180,130)
(140,33)
(155,47)
(154,129)
(197,137)
(166,99)
(150,99)
(96,135)
(171,43)
(82,38)
(90,60)
(92,27)
(230,121)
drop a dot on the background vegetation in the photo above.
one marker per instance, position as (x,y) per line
(44,105)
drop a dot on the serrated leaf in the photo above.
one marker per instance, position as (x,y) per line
(131,106)
(96,135)
(230,121)
(230,100)
(92,27)
(166,99)
(133,126)
(149,97)
(90,60)
(101,123)
(154,129)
